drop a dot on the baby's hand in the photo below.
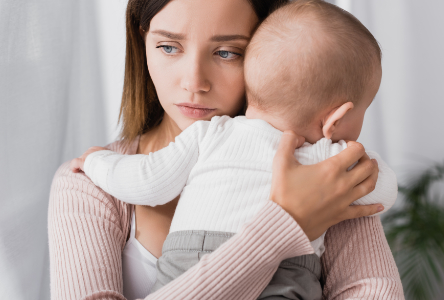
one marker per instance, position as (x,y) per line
(77,163)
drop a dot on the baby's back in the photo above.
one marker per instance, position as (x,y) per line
(232,177)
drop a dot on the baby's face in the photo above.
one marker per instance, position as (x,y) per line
(349,127)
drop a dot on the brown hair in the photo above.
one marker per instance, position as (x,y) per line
(140,109)
(327,56)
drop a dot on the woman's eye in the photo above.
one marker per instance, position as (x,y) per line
(168,49)
(227,54)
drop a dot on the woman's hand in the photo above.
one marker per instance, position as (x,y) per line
(319,196)
(76,164)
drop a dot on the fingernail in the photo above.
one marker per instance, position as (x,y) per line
(375,161)
(380,208)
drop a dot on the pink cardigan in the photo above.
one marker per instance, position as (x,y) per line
(88,230)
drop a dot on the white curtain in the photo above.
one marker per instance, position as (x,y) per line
(61,74)
(405,123)
(51,108)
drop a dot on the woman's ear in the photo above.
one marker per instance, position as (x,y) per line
(330,121)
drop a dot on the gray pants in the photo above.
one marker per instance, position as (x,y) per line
(296,278)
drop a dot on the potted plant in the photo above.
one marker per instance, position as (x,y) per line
(415,233)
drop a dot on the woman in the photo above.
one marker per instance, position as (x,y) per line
(184,63)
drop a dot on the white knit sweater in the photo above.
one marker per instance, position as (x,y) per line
(221,168)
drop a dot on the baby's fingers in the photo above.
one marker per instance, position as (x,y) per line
(76,165)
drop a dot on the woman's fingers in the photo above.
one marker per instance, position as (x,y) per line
(366,186)
(319,196)
(357,211)
(350,155)
(283,164)
(290,141)
(363,169)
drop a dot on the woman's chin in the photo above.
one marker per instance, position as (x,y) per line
(185,122)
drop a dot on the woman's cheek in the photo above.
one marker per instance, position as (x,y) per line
(235,92)
(163,78)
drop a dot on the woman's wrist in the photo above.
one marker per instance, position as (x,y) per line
(278,231)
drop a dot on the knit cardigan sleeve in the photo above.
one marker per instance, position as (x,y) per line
(358,264)
(88,230)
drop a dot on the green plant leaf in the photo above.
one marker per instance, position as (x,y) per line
(415,234)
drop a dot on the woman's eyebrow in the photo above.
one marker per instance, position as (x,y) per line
(214,38)
(170,35)
(227,38)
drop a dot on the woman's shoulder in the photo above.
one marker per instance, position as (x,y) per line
(75,193)
(123,147)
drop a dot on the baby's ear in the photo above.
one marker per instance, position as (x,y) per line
(329,124)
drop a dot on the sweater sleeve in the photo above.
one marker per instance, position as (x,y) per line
(358,264)
(243,266)
(88,229)
(153,179)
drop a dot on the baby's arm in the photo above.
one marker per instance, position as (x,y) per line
(153,179)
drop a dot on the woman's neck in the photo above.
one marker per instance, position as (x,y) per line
(159,137)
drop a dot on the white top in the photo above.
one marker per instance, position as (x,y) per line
(222,168)
(138,267)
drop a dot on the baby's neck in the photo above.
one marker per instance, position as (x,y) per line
(278,123)
(282,124)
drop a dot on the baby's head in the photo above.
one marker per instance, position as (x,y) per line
(313,68)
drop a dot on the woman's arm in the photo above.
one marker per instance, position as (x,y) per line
(358,263)
(88,230)
(243,266)
(292,188)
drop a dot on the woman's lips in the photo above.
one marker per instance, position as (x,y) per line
(194,111)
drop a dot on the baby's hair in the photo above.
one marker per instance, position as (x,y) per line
(316,55)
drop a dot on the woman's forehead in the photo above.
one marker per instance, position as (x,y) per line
(206,18)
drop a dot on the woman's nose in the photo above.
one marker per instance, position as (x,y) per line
(195,79)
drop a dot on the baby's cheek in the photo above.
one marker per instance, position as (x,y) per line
(355,131)
(348,131)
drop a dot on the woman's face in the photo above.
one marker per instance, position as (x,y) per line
(195,55)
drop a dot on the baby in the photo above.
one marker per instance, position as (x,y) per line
(310,67)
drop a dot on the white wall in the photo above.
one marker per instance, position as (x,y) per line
(51,109)
(405,122)
(112,38)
